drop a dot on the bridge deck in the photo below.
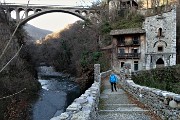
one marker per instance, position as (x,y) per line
(121,106)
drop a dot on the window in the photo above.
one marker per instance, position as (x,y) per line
(135,65)
(160,48)
(151,59)
(121,51)
(121,40)
(136,40)
(122,64)
(160,32)
(135,50)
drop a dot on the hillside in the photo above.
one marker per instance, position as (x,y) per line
(36,33)
(18,81)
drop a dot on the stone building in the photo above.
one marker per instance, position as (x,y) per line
(160,40)
(115,6)
(122,4)
(154,45)
(129,45)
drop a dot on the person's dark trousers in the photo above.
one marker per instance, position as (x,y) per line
(113,85)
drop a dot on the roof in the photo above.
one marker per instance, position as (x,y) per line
(127,31)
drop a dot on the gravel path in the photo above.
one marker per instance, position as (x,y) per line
(117,106)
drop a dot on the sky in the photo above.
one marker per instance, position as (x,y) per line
(53,21)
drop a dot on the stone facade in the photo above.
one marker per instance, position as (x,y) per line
(86,106)
(163,103)
(157,45)
(160,40)
(178,34)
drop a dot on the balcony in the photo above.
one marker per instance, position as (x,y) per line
(129,55)
(129,43)
(136,42)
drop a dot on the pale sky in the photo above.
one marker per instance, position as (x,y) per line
(53,21)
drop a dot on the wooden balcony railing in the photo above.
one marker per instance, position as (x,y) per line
(129,55)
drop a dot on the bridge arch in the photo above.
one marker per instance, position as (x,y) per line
(38,10)
(39,13)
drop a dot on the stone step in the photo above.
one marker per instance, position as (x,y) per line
(122,105)
(115,106)
(123,116)
(123,111)
(108,91)
(119,107)
(114,99)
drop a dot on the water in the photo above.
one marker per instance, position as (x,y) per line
(56,94)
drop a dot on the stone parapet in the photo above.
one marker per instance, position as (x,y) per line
(163,103)
(105,74)
(86,106)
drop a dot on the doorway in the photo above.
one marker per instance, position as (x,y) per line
(159,63)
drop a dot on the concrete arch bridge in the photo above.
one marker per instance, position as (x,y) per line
(86,14)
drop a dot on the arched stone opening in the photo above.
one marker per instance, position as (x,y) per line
(160,32)
(13,14)
(38,10)
(30,12)
(159,63)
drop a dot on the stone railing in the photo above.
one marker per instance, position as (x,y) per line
(105,74)
(85,107)
(163,103)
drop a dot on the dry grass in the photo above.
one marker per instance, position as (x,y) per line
(141,105)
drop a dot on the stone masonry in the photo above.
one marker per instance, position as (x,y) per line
(158,45)
(165,104)
(160,32)
(86,106)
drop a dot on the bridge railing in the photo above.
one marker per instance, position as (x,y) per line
(86,106)
(44,5)
(163,103)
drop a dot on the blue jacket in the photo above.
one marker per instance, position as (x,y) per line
(112,78)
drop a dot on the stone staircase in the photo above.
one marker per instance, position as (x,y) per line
(116,106)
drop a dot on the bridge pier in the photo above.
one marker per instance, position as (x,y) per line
(8,12)
(26,13)
(17,15)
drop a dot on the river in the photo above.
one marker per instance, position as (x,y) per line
(58,91)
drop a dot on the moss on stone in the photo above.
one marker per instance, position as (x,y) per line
(167,78)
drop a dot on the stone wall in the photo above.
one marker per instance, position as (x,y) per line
(165,104)
(160,32)
(178,34)
(105,74)
(85,107)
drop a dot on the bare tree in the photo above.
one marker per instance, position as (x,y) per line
(140,4)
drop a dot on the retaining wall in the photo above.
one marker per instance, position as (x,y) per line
(85,107)
(163,103)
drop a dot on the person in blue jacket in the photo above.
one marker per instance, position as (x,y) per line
(113,81)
